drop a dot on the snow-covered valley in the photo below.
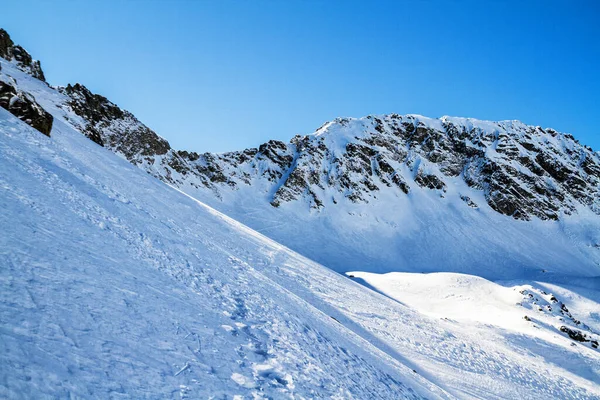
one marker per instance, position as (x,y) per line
(118,285)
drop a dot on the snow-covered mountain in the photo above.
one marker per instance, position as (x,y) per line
(383,193)
(117,285)
(390,193)
(522,171)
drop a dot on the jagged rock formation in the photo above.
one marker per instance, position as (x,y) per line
(23,106)
(524,171)
(11,52)
(109,126)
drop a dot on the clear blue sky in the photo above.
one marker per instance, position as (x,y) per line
(225,75)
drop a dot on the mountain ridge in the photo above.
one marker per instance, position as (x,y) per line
(535,178)
(435,173)
(450,138)
(117,284)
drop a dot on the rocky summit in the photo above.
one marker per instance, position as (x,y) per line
(11,52)
(523,171)
(18,102)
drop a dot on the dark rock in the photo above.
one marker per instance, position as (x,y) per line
(573,334)
(6,44)
(397,179)
(429,181)
(24,107)
(9,51)
(469,202)
(110,126)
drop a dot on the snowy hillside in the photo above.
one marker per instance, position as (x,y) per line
(115,289)
(115,284)
(503,200)
(112,289)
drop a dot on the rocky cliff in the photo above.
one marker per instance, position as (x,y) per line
(523,171)
(12,52)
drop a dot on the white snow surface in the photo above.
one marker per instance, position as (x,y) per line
(115,285)
(424,231)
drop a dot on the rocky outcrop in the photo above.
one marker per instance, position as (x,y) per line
(24,107)
(522,171)
(546,304)
(109,126)
(11,52)
(579,336)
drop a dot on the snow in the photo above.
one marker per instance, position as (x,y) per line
(111,289)
(496,311)
(424,231)
(113,284)
(465,298)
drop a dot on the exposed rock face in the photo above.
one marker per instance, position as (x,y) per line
(24,107)
(11,52)
(109,126)
(523,171)
(579,336)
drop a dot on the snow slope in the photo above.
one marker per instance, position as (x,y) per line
(117,290)
(473,300)
(423,233)
(114,289)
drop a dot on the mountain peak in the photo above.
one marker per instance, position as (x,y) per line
(11,52)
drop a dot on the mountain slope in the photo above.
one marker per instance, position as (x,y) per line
(389,193)
(380,199)
(110,289)
(116,285)
(140,291)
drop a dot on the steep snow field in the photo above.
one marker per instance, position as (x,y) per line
(423,233)
(115,285)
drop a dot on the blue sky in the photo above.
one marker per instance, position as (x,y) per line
(226,75)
